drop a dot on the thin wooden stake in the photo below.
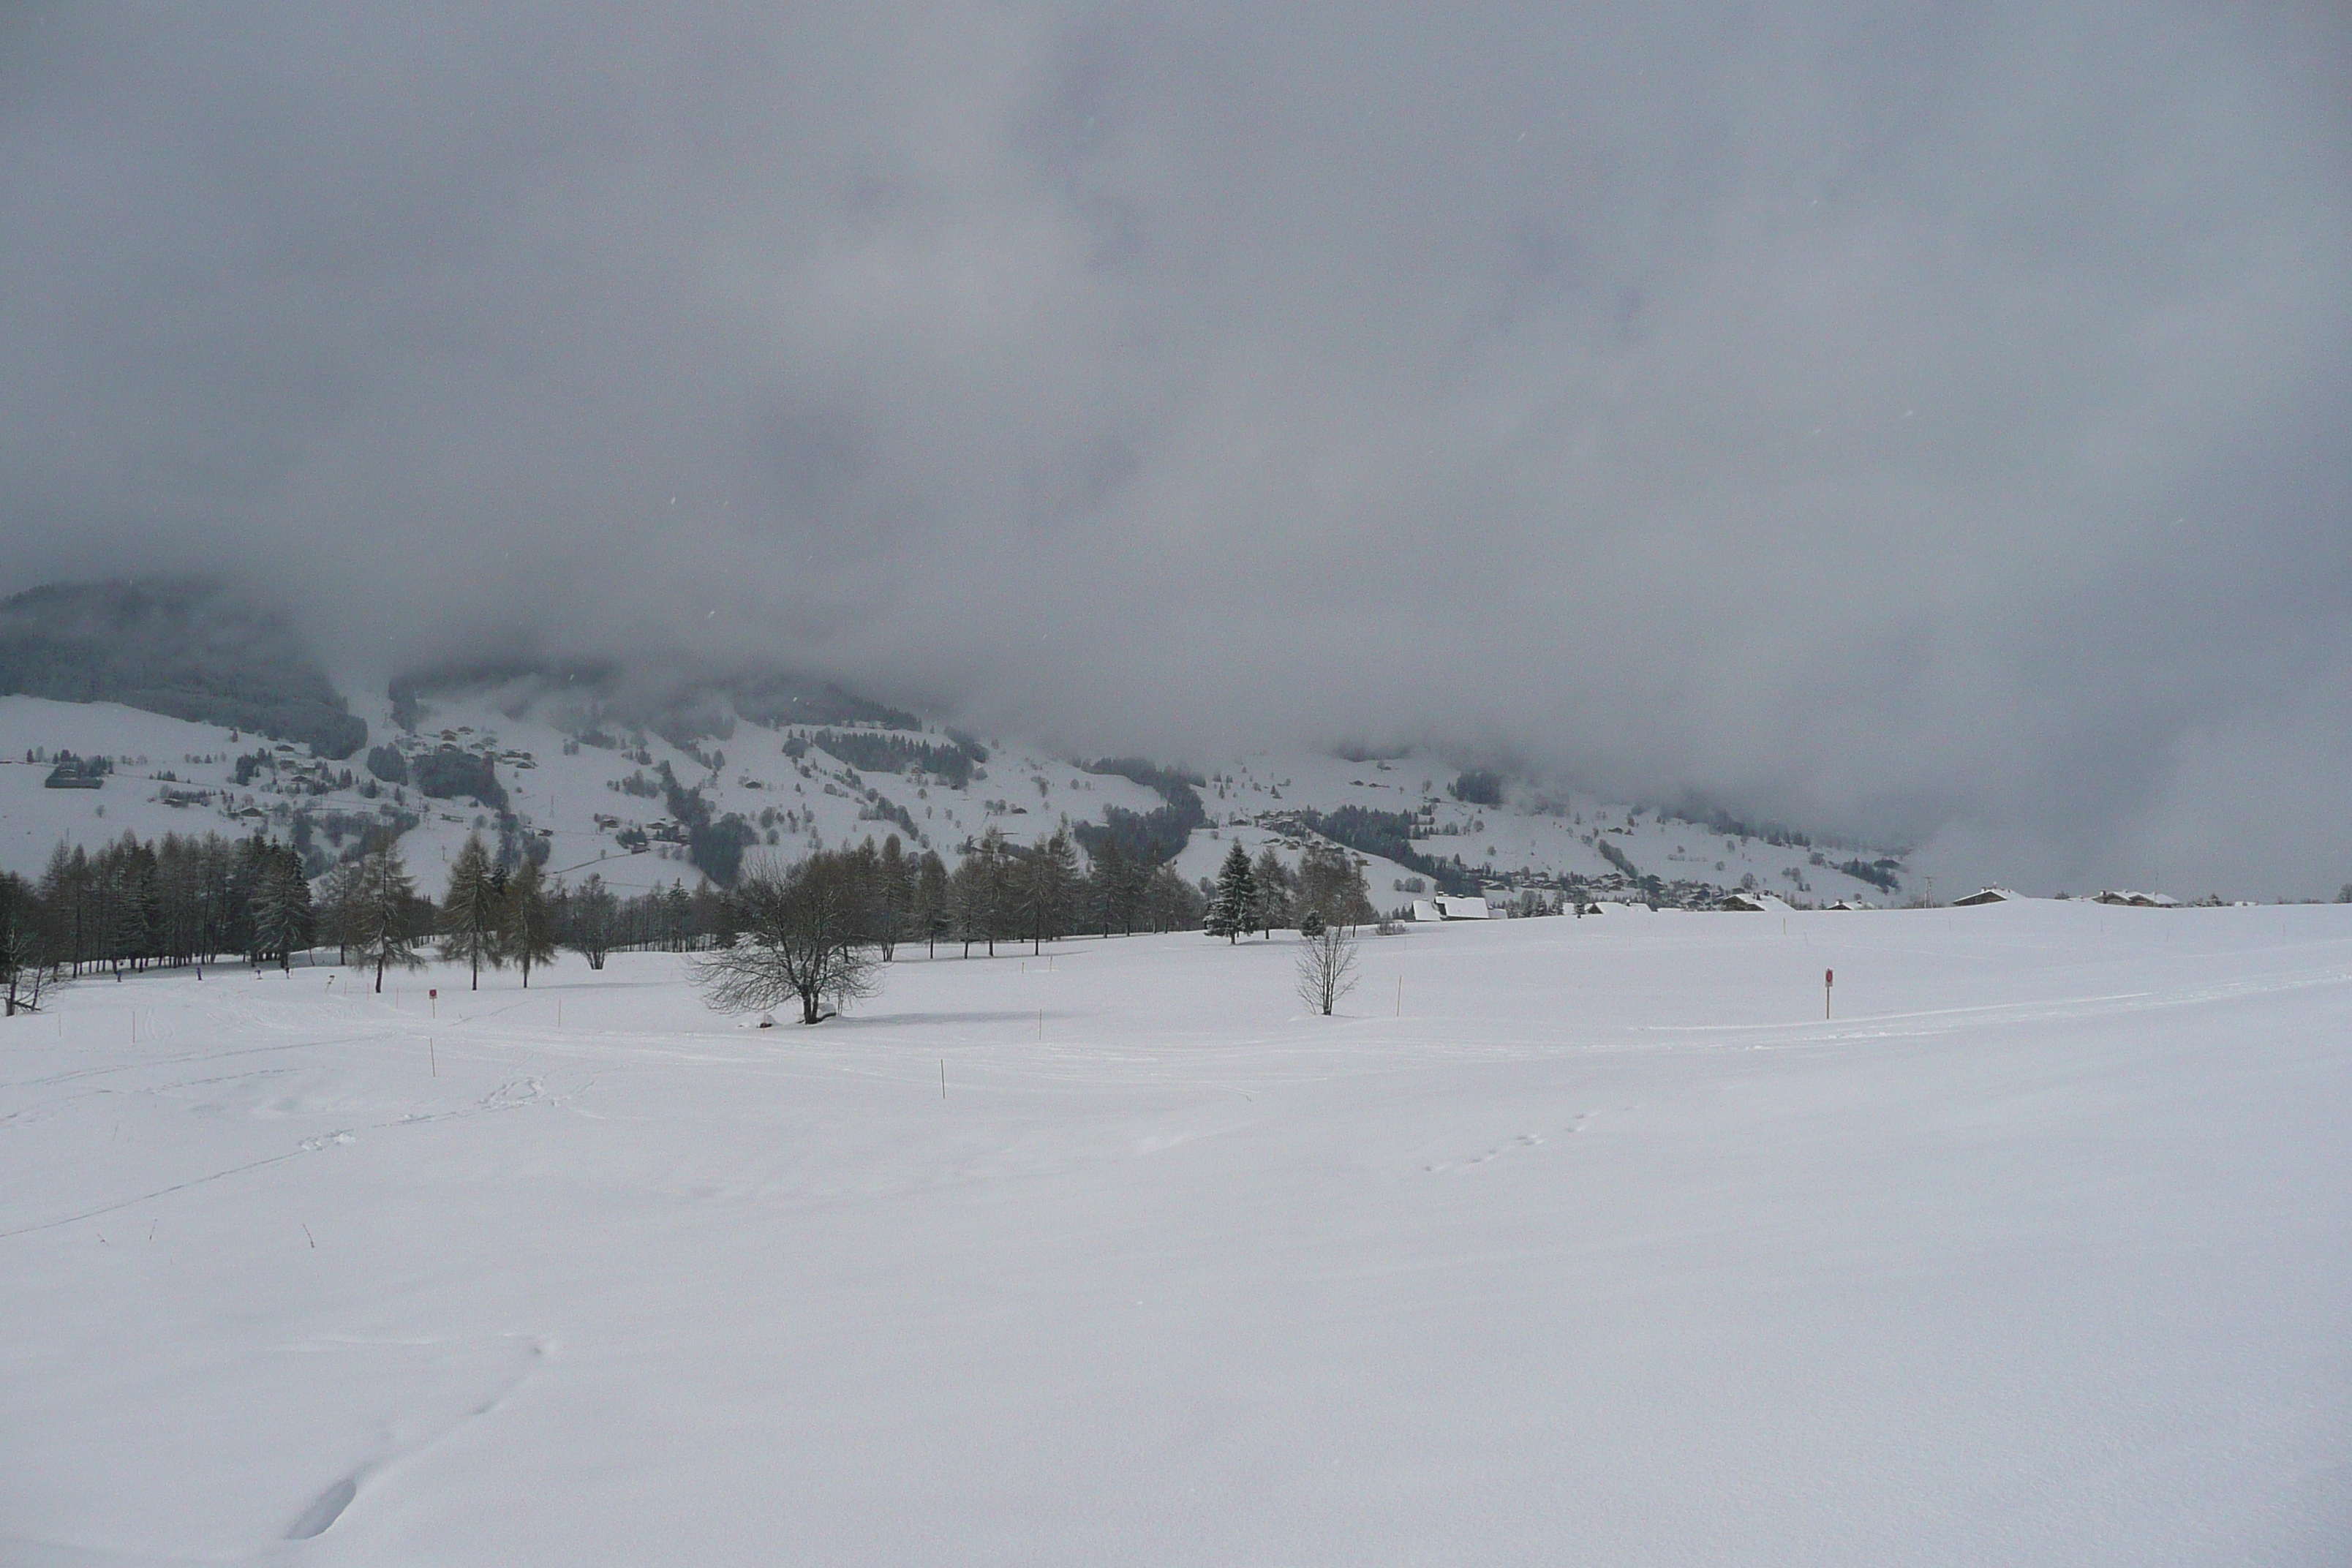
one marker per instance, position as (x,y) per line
(1399,997)
(432,1056)
(943,1077)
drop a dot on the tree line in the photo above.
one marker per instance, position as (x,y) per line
(183,901)
(187,901)
(1327,891)
(130,906)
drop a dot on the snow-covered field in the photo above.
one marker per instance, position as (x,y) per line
(1572,1241)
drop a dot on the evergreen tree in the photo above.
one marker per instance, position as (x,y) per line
(137,911)
(472,913)
(891,897)
(1048,884)
(301,916)
(248,870)
(387,927)
(1108,879)
(529,923)
(931,905)
(1171,903)
(1233,908)
(129,913)
(339,906)
(282,907)
(980,888)
(65,893)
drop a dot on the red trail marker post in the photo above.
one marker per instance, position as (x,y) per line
(1828,978)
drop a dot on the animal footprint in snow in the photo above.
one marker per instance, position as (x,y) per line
(1524,1141)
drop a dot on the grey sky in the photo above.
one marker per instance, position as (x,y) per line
(1923,419)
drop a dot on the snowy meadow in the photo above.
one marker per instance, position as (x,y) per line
(1565,1241)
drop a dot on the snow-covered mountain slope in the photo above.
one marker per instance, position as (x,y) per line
(1568,1241)
(591,790)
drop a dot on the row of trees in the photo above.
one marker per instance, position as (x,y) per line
(133,906)
(1265,896)
(815,932)
(1002,891)
(183,901)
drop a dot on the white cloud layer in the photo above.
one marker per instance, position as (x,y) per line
(1926,420)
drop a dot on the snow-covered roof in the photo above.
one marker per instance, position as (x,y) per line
(1448,906)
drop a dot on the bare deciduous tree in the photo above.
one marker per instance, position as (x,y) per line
(26,957)
(590,915)
(1327,968)
(801,934)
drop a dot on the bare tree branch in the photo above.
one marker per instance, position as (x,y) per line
(1327,968)
(802,933)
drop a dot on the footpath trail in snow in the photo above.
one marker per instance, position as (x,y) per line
(1572,1242)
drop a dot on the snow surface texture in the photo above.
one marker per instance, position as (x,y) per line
(1571,1241)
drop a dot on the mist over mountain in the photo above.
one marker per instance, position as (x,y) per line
(1917,423)
(684,700)
(188,648)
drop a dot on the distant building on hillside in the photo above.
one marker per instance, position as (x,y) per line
(76,773)
(1446,907)
(2138,900)
(1984,896)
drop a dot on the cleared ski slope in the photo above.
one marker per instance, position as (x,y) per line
(1574,1242)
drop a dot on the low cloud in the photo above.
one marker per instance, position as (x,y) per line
(1926,421)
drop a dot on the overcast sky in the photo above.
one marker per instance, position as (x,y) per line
(1932,420)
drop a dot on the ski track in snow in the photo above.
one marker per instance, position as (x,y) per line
(512,1095)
